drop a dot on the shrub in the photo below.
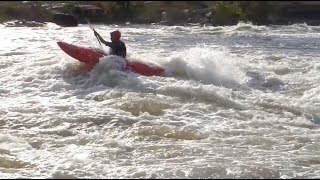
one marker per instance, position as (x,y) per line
(225,13)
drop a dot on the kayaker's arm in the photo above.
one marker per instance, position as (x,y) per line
(102,40)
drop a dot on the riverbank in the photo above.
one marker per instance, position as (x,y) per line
(215,13)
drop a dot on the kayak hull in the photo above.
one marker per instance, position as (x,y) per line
(91,57)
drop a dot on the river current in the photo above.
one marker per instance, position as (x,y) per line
(236,102)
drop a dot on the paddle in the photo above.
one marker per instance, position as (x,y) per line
(93,30)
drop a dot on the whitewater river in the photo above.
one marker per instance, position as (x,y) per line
(236,102)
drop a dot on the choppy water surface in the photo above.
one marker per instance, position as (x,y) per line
(236,102)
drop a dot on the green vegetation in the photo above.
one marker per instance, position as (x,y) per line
(4,18)
(231,12)
(21,10)
(224,12)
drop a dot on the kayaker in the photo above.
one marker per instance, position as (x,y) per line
(117,46)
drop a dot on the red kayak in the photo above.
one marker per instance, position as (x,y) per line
(91,57)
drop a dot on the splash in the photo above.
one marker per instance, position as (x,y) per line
(207,65)
(109,71)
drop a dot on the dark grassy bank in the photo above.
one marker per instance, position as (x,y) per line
(176,12)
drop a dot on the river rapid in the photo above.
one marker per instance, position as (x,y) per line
(236,102)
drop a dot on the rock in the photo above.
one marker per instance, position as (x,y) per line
(93,13)
(164,16)
(65,20)
(23,23)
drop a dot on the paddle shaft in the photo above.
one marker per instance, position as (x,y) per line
(93,30)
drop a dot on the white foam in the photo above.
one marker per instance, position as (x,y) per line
(207,65)
(162,127)
(109,71)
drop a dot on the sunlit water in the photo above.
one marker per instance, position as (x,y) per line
(236,102)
